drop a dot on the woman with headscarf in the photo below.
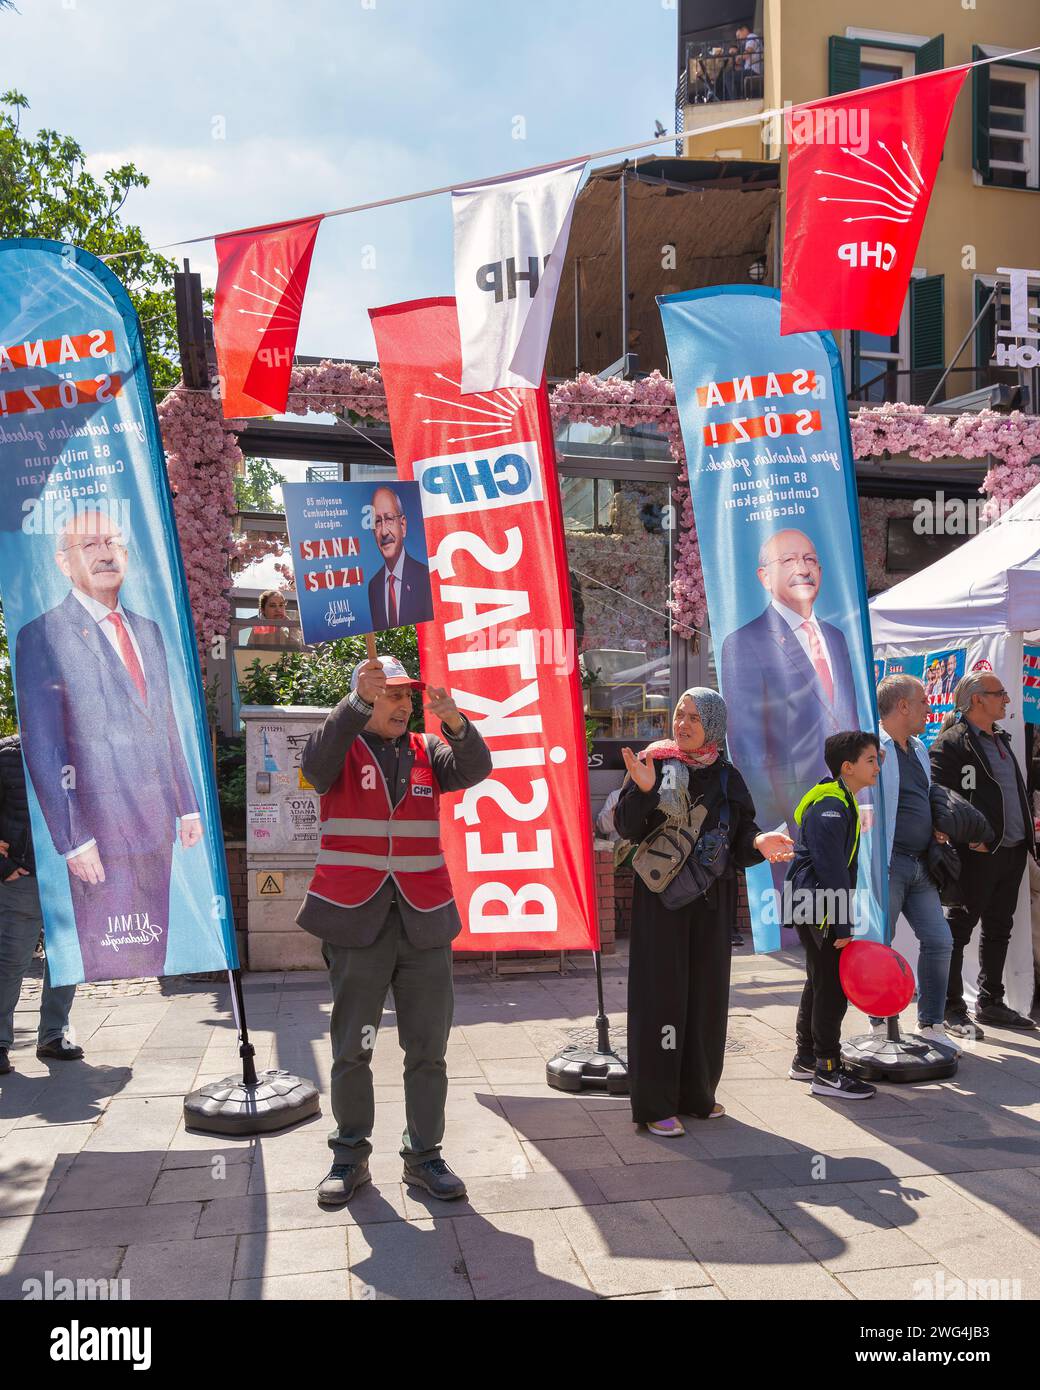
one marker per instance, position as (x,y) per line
(679,960)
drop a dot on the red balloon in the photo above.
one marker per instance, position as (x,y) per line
(875,978)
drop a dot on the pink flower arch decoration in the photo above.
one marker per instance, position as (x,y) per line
(203,454)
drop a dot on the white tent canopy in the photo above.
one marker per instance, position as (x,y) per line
(990,584)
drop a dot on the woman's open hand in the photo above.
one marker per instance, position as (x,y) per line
(775,846)
(642,774)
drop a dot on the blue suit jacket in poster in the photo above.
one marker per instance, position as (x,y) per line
(105,764)
(780,715)
(414,602)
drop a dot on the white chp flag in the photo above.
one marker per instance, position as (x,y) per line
(510,243)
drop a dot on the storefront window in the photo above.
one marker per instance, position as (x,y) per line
(619,549)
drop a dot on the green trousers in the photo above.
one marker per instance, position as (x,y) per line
(424,1002)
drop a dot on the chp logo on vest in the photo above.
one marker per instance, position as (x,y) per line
(422,781)
(480,480)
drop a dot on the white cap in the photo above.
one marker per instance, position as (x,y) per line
(395,673)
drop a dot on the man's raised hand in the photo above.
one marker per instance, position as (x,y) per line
(371,682)
(444,707)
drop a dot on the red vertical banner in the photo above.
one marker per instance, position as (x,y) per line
(261,283)
(860,171)
(518,845)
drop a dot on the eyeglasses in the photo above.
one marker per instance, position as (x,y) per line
(1001,693)
(388,520)
(789,561)
(109,543)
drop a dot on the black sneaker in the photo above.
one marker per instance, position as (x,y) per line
(342,1181)
(959,1025)
(1000,1016)
(60,1050)
(735,939)
(5,1062)
(802,1069)
(841,1086)
(437,1178)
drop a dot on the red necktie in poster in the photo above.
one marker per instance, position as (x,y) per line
(126,651)
(860,171)
(518,845)
(261,282)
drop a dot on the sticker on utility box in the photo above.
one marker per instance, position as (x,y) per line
(270,882)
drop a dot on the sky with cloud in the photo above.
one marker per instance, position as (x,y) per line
(246,111)
(243,112)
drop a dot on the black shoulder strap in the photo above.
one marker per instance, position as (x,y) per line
(724,817)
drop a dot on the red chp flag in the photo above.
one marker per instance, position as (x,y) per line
(518,845)
(860,170)
(261,281)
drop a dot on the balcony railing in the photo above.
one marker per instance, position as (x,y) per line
(722,70)
(917,384)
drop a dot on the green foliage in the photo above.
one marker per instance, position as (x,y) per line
(321,675)
(231,786)
(255,492)
(46,191)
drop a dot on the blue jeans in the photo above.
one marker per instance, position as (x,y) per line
(912,893)
(21,922)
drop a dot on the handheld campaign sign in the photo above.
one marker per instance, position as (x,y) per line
(126,828)
(359,557)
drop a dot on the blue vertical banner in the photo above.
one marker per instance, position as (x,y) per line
(772,483)
(1031,684)
(126,833)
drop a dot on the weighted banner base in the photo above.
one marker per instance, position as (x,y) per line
(587,1069)
(232,1106)
(904,1059)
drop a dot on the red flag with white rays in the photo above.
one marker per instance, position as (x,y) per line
(860,170)
(261,282)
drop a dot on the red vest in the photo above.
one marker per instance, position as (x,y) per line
(365,839)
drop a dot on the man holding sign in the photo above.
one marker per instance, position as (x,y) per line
(382,903)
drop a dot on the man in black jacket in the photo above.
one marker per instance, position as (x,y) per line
(21,920)
(973,756)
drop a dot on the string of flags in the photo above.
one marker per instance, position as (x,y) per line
(861,168)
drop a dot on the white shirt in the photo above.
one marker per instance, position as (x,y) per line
(794,621)
(397,572)
(100,612)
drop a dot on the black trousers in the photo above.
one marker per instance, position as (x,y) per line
(823,1005)
(990,891)
(678,1002)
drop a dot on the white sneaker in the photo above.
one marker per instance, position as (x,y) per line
(936,1033)
(880,1029)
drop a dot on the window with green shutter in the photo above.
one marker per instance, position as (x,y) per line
(842,65)
(1005,122)
(927,336)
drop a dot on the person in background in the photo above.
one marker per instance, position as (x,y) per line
(972,755)
(824,868)
(679,961)
(906,778)
(277,630)
(21,921)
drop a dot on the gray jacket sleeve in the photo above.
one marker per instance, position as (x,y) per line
(325,751)
(461,760)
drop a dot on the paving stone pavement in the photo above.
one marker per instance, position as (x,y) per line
(927,1191)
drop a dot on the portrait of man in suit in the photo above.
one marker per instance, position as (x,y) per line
(104,754)
(399,593)
(788,675)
